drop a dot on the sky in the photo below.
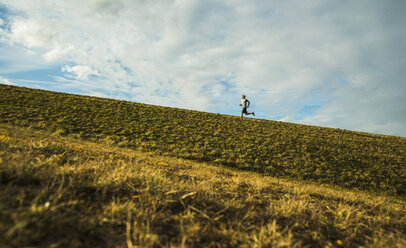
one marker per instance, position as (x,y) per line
(328,63)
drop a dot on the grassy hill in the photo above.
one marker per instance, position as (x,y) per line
(62,191)
(332,156)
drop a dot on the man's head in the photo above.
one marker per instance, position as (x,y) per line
(243,96)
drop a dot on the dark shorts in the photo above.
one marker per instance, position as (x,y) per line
(244,111)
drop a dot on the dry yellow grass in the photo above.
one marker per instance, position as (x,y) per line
(301,152)
(64,192)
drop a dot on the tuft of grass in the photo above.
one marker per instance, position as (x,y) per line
(65,192)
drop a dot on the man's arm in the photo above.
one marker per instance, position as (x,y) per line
(248,103)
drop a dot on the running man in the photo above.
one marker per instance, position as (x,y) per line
(245,104)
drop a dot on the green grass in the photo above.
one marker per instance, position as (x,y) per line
(354,160)
(58,191)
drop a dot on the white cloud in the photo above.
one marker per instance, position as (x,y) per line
(6,81)
(57,53)
(287,119)
(80,72)
(285,55)
(31,33)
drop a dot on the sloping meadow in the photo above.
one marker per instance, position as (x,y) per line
(64,192)
(332,156)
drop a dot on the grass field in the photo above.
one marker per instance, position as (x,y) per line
(78,171)
(355,160)
(58,191)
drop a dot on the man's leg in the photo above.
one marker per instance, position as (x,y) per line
(244,111)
